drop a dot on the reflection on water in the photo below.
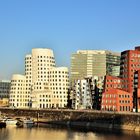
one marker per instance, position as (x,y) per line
(49,133)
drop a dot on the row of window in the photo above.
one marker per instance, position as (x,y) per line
(15,88)
(114,96)
(124,101)
(125,108)
(20,104)
(4,92)
(109,101)
(115,80)
(60,84)
(17,81)
(109,95)
(113,108)
(51,61)
(19,100)
(135,55)
(39,56)
(19,96)
(52,105)
(45,57)
(124,96)
(109,107)
(113,86)
(59,80)
(48,100)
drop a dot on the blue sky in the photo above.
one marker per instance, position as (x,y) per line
(64,26)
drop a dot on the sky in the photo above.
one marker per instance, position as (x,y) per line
(64,26)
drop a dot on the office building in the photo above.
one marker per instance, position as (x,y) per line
(43,86)
(4,92)
(4,88)
(88,63)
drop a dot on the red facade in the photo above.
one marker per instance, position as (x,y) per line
(124,85)
(117,100)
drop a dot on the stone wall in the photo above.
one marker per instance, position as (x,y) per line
(88,118)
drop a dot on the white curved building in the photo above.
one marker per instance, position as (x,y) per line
(18,96)
(45,85)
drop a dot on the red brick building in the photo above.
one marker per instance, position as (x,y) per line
(125,84)
(130,62)
(117,100)
(112,82)
(136,93)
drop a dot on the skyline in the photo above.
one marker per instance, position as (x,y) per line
(64,27)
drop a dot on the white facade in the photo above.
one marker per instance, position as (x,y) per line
(46,84)
(18,95)
(81,95)
(83,92)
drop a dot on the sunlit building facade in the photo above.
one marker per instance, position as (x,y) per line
(127,86)
(87,93)
(88,63)
(45,85)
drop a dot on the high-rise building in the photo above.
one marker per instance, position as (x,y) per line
(128,83)
(130,62)
(43,86)
(88,63)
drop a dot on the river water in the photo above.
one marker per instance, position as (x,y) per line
(53,133)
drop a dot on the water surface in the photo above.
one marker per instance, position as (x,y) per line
(51,133)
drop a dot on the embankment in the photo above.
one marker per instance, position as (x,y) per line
(81,118)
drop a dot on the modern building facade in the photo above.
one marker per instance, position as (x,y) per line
(129,77)
(82,98)
(19,96)
(88,63)
(136,93)
(43,86)
(130,62)
(86,93)
(117,100)
(4,92)
(4,88)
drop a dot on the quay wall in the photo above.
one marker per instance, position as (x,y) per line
(80,118)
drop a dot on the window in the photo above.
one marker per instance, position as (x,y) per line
(120,108)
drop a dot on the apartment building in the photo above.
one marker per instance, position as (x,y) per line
(43,86)
(87,93)
(128,82)
(82,98)
(117,100)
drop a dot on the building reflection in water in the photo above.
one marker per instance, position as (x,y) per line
(13,133)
